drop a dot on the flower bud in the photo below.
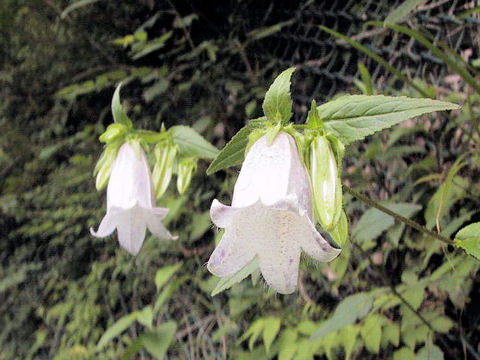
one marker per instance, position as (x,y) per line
(162,172)
(186,167)
(326,185)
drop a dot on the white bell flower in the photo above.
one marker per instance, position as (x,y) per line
(130,201)
(271,217)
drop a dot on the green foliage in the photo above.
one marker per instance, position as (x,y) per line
(354,117)
(277,104)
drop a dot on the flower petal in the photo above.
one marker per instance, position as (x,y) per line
(317,247)
(130,181)
(154,218)
(222,215)
(131,229)
(230,256)
(107,225)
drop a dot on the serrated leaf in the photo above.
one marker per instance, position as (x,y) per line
(401,12)
(234,152)
(270,330)
(119,115)
(468,239)
(116,329)
(354,117)
(165,273)
(228,282)
(350,309)
(192,143)
(157,341)
(277,104)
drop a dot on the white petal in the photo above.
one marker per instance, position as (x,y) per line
(317,247)
(107,225)
(130,182)
(265,172)
(222,215)
(131,230)
(230,256)
(154,218)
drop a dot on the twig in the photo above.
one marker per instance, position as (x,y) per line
(398,217)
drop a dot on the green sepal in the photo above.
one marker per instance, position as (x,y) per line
(340,231)
(119,115)
(314,120)
(113,132)
(103,168)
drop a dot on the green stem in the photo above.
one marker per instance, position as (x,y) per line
(398,217)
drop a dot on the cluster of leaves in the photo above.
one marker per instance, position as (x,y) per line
(65,295)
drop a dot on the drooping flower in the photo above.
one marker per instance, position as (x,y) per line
(271,217)
(131,202)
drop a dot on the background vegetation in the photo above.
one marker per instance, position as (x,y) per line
(398,293)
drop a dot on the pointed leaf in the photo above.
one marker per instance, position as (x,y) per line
(192,143)
(277,104)
(468,239)
(234,152)
(165,273)
(119,115)
(270,331)
(354,117)
(401,12)
(116,329)
(157,341)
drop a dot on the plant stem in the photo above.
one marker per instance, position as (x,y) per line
(398,217)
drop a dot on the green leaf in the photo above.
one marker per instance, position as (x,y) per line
(157,342)
(192,143)
(76,5)
(116,329)
(277,104)
(348,337)
(287,344)
(391,334)
(371,332)
(414,295)
(234,152)
(468,239)
(404,353)
(373,222)
(429,352)
(350,309)
(354,117)
(119,115)
(270,330)
(253,332)
(145,317)
(228,282)
(366,78)
(165,273)
(401,12)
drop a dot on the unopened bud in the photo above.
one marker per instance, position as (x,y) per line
(186,168)
(163,169)
(326,185)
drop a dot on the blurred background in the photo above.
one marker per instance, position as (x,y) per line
(207,64)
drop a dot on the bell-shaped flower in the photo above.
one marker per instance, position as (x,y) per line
(271,217)
(131,202)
